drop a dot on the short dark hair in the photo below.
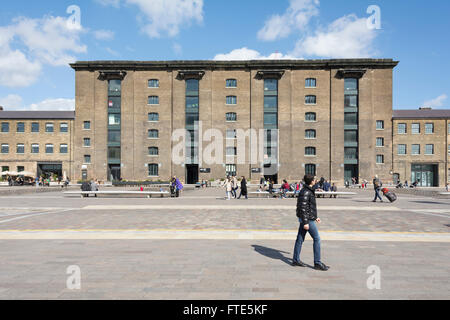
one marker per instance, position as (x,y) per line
(308,178)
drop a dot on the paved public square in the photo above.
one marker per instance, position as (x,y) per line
(200,246)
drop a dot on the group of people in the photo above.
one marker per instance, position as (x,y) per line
(405,184)
(231,185)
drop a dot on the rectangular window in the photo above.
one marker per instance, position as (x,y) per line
(154,134)
(153,117)
(114,119)
(351,119)
(63,127)
(350,101)
(310,151)
(49,148)
(231,100)
(153,170)
(380,125)
(153,151)
(310,169)
(5,126)
(114,153)
(231,116)
(270,103)
(87,142)
(87,125)
(310,134)
(5,148)
(401,149)
(230,169)
(87,158)
(63,148)
(49,127)
(153,83)
(35,127)
(35,148)
(271,87)
(231,83)
(114,87)
(310,116)
(415,128)
(114,136)
(231,151)
(270,119)
(20,168)
(350,153)
(310,100)
(401,128)
(231,134)
(429,128)
(114,102)
(429,149)
(449,128)
(5,168)
(153,100)
(380,142)
(351,136)
(415,149)
(20,148)
(192,104)
(380,159)
(310,83)
(350,84)
(20,127)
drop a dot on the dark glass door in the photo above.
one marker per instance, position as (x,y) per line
(192,173)
(114,172)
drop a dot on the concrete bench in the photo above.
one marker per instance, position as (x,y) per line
(149,194)
(291,193)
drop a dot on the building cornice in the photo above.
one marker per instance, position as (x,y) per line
(245,64)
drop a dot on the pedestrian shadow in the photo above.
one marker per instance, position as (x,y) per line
(274,254)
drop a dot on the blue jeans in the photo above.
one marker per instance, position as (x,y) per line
(377,194)
(314,232)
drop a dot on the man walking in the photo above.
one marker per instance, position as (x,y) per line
(243,188)
(377,187)
(307,216)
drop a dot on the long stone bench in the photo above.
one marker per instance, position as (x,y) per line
(291,193)
(149,194)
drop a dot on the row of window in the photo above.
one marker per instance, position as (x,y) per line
(20,148)
(232,83)
(415,149)
(415,128)
(49,127)
(230,100)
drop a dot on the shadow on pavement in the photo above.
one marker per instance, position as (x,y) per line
(274,254)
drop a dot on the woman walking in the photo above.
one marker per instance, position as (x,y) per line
(228,187)
(243,188)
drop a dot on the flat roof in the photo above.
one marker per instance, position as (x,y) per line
(421,114)
(179,64)
(37,115)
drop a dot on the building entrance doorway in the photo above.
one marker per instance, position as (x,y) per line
(425,174)
(114,172)
(48,170)
(351,171)
(191,173)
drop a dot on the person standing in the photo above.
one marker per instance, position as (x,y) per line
(243,188)
(234,184)
(94,187)
(377,187)
(307,217)
(228,187)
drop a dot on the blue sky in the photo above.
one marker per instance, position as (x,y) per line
(37,43)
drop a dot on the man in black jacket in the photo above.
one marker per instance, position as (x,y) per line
(307,216)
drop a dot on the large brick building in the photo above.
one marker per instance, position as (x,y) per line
(329,114)
(334,119)
(39,142)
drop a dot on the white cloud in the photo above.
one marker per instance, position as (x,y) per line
(436,102)
(15,102)
(346,37)
(112,52)
(54,105)
(49,40)
(104,35)
(249,54)
(114,3)
(10,102)
(297,16)
(160,17)
(177,49)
